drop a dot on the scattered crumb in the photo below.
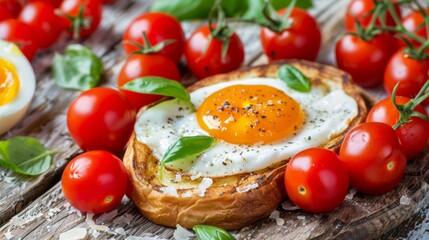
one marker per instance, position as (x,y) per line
(74,234)
(289,206)
(182,233)
(276,215)
(351,194)
(405,200)
(301,217)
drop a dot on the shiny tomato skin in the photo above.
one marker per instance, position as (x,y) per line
(373,157)
(410,73)
(94,181)
(21,34)
(158,27)
(204,53)
(413,135)
(325,180)
(360,10)
(411,22)
(365,60)
(42,18)
(4,13)
(93,10)
(143,65)
(101,119)
(302,40)
(12,6)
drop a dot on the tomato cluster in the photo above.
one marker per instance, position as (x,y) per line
(39,23)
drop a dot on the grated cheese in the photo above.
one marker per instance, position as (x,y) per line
(405,200)
(247,188)
(289,206)
(276,215)
(74,234)
(8,235)
(187,194)
(105,217)
(178,178)
(205,183)
(170,190)
(182,233)
(94,226)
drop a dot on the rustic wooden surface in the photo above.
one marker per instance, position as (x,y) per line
(34,208)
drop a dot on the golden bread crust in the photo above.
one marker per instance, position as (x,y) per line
(222,204)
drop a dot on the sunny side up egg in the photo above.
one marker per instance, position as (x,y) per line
(17,85)
(258,122)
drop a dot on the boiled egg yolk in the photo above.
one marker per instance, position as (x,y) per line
(9,82)
(250,114)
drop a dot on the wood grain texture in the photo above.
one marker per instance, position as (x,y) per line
(40,201)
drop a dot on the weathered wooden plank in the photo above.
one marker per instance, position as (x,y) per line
(359,217)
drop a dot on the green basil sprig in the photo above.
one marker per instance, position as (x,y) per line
(25,155)
(186,147)
(79,68)
(158,85)
(294,78)
(200,9)
(207,232)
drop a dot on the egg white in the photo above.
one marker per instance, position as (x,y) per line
(12,112)
(328,112)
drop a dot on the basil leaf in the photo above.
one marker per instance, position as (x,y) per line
(79,68)
(158,85)
(207,232)
(200,9)
(25,155)
(294,78)
(187,147)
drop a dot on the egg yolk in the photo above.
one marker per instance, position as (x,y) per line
(9,82)
(250,114)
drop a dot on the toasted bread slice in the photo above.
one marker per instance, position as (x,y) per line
(230,202)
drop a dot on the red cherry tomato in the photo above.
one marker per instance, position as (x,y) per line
(21,34)
(42,18)
(94,182)
(410,73)
(54,3)
(92,12)
(360,10)
(414,22)
(365,60)
(413,135)
(12,6)
(373,157)
(204,53)
(4,13)
(101,119)
(302,40)
(158,27)
(142,65)
(316,180)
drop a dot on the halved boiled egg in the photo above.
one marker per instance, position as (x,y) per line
(258,123)
(17,85)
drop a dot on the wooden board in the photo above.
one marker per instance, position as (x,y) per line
(34,208)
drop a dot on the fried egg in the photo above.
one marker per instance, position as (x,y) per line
(257,122)
(17,85)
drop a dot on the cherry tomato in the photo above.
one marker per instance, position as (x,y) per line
(413,135)
(316,180)
(360,10)
(94,181)
(92,12)
(410,73)
(302,40)
(412,22)
(42,18)
(54,3)
(4,13)
(142,65)
(365,60)
(373,157)
(204,53)
(21,34)
(158,27)
(101,119)
(12,6)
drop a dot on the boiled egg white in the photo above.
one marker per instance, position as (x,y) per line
(17,85)
(258,122)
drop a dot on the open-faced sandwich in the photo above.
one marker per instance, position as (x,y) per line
(258,122)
